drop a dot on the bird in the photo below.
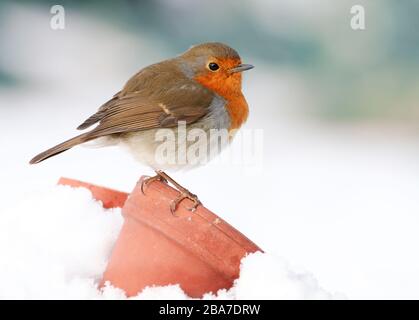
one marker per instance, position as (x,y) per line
(200,89)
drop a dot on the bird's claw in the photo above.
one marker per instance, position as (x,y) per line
(185,195)
(148,180)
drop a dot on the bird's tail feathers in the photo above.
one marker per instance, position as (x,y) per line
(61,148)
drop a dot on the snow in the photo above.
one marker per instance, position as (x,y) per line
(265,276)
(55,244)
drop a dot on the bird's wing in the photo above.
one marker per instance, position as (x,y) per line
(156,97)
(142,110)
(99,114)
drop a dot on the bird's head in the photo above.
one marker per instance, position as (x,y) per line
(214,65)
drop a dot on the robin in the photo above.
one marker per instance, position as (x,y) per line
(200,88)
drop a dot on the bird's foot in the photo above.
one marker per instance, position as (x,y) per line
(184,193)
(148,180)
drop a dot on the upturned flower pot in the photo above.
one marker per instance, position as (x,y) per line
(197,250)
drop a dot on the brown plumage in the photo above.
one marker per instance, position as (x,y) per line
(160,95)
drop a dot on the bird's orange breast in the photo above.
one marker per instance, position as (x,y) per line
(230,89)
(238,110)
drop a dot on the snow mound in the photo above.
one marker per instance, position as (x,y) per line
(55,244)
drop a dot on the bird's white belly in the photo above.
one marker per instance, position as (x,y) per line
(174,148)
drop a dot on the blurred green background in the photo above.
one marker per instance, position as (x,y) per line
(347,75)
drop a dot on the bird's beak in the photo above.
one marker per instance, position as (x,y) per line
(241,67)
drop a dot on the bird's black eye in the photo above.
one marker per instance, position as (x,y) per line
(213,66)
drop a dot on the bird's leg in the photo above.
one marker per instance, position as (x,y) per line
(148,180)
(184,193)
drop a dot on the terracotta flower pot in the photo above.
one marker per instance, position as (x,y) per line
(197,250)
